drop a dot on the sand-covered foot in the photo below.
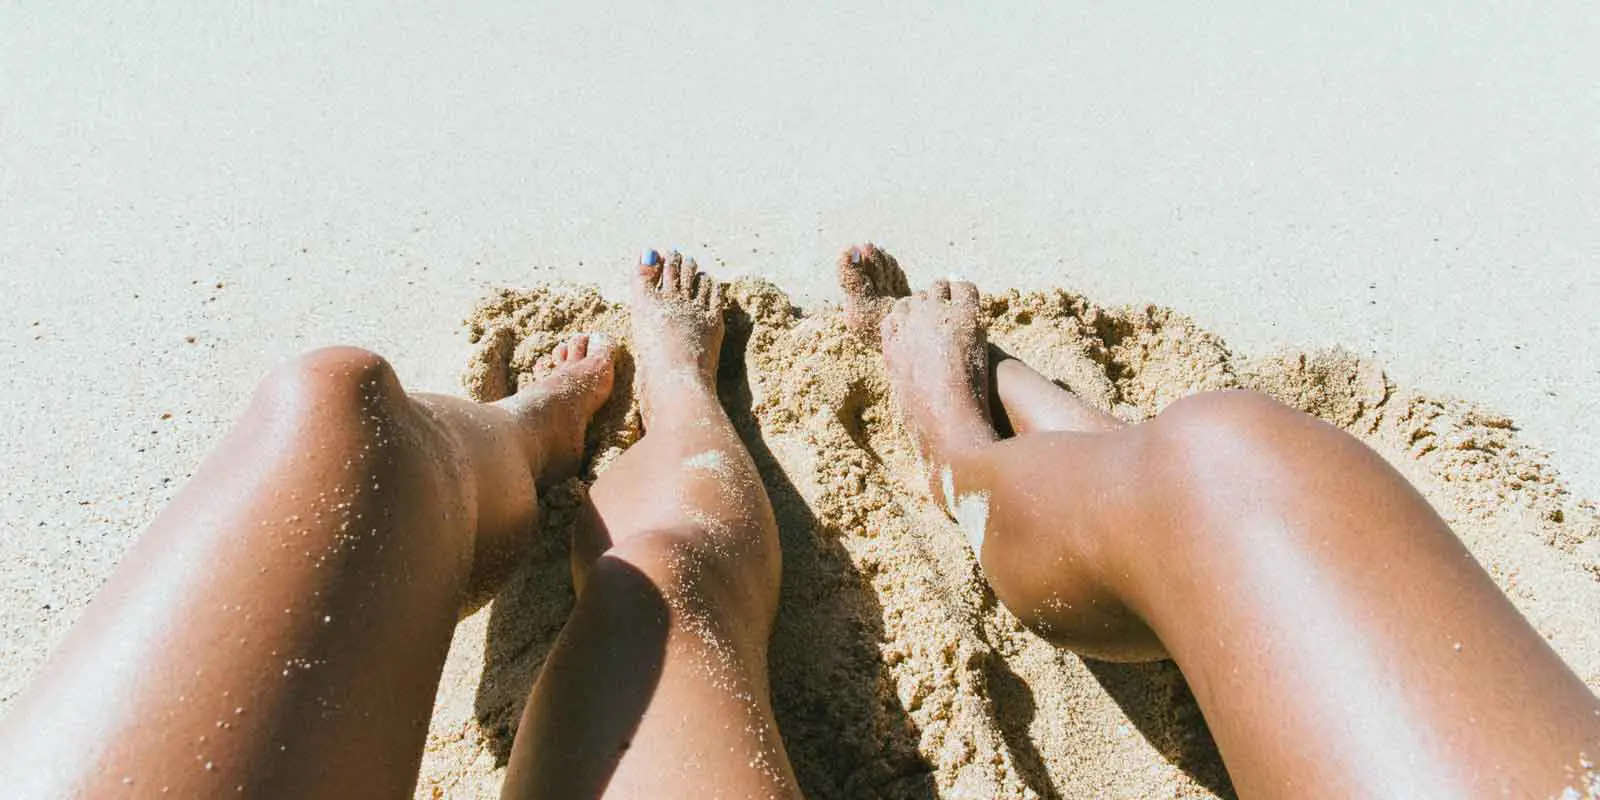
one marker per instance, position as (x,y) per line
(553,415)
(677,330)
(556,409)
(872,280)
(936,353)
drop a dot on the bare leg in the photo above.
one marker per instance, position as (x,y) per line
(1337,635)
(1031,403)
(658,686)
(280,628)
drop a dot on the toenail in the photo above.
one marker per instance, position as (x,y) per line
(599,340)
(650,258)
(855,255)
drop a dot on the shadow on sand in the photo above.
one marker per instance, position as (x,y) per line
(845,730)
(1158,701)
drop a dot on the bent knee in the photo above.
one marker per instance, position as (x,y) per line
(333,380)
(1237,415)
(1238,411)
(1240,433)
(1225,443)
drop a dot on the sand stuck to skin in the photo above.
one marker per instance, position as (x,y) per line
(895,673)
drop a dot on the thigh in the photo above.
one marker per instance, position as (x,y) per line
(280,628)
(1339,637)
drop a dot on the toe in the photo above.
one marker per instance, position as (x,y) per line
(940,290)
(853,278)
(578,347)
(671,275)
(688,279)
(559,356)
(719,296)
(650,268)
(902,306)
(850,258)
(600,346)
(891,278)
(964,293)
(702,293)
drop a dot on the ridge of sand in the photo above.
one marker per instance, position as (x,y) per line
(895,673)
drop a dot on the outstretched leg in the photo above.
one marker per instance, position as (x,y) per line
(280,628)
(658,685)
(1338,637)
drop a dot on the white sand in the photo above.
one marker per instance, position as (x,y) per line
(1417,186)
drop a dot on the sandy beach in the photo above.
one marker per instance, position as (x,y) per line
(188,198)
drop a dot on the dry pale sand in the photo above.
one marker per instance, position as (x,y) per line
(895,672)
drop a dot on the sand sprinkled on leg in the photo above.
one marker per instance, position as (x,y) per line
(709,460)
(972,514)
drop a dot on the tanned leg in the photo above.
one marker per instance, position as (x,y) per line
(658,685)
(1339,638)
(280,628)
(1032,403)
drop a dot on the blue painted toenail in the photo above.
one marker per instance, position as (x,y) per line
(650,258)
(855,255)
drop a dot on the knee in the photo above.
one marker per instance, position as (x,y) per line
(1235,433)
(1234,411)
(333,381)
(699,577)
(1242,450)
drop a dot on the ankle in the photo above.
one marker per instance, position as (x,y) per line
(680,401)
(959,440)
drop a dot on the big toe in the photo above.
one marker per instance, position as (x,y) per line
(853,277)
(598,346)
(650,266)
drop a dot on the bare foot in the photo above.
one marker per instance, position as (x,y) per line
(552,416)
(677,330)
(555,410)
(937,358)
(872,280)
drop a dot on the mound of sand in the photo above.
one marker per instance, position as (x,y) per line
(895,672)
